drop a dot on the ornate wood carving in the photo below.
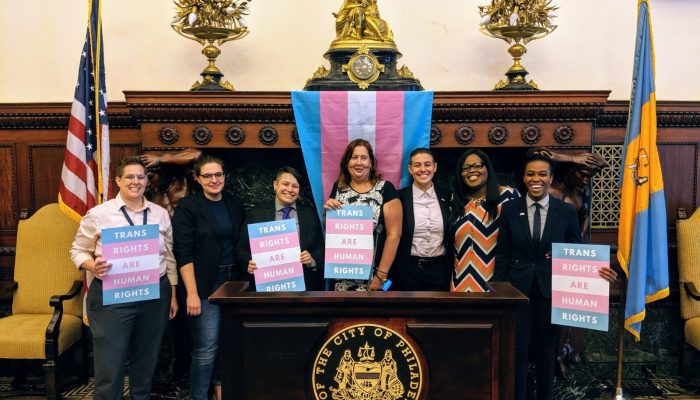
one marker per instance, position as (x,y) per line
(295,137)
(465,135)
(618,119)
(531,134)
(168,134)
(564,134)
(435,135)
(201,135)
(56,116)
(498,135)
(235,135)
(268,135)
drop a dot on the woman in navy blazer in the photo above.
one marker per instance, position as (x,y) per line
(205,232)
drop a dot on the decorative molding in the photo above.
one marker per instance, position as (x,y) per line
(664,119)
(268,135)
(165,149)
(498,135)
(295,137)
(509,112)
(465,135)
(168,134)
(7,251)
(531,134)
(59,120)
(201,135)
(435,135)
(564,134)
(235,135)
(213,113)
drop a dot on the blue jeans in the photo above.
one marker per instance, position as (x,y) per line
(205,344)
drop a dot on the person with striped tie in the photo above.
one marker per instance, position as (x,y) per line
(285,206)
(476,206)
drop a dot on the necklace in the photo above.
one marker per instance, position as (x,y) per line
(478,200)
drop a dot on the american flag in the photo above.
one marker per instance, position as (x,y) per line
(85,178)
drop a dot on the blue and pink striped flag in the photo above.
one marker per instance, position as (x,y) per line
(395,123)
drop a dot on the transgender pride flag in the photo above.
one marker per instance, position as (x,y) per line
(395,123)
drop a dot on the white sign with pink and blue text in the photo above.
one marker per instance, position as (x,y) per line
(134,252)
(349,243)
(275,249)
(580,296)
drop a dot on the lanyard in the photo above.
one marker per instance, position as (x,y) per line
(145,215)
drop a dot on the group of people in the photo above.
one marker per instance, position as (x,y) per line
(427,238)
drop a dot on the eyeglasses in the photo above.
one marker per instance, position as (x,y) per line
(476,165)
(208,177)
(135,177)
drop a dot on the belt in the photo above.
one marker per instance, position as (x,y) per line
(427,261)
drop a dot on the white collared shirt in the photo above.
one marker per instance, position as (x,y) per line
(428,229)
(88,240)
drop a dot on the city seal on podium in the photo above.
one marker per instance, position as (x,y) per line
(366,362)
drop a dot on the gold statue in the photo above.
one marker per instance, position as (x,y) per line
(516,21)
(363,53)
(360,19)
(211,21)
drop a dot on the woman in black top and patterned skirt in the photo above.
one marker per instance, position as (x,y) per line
(360,183)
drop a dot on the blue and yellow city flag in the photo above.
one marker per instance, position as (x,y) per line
(642,244)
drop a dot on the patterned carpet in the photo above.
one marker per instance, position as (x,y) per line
(161,391)
(648,389)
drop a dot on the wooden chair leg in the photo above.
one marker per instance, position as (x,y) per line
(52,390)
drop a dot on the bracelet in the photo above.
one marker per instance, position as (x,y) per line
(383,272)
(376,274)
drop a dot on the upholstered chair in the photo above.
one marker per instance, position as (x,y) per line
(46,306)
(688,231)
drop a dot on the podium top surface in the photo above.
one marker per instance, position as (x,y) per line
(235,293)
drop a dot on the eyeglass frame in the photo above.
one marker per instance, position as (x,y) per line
(209,176)
(477,166)
(131,178)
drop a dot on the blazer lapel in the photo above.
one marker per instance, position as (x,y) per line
(445,210)
(525,223)
(410,216)
(551,217)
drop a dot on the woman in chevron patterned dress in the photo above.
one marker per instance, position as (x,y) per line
(476,205)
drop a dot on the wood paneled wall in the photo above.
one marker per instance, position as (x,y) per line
(32,136)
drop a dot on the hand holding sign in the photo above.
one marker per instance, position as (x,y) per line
(276,263)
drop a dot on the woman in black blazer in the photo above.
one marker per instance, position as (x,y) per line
(285,205)
(205,232)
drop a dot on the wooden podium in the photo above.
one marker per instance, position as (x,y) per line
(346,345)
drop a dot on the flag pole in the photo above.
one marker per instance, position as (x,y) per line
(619,395)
